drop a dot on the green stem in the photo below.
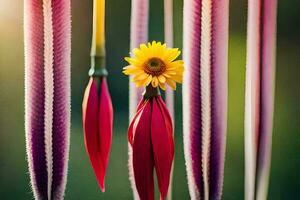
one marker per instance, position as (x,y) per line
(98,66)
(151,92)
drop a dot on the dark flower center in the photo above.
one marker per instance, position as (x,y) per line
(154,66)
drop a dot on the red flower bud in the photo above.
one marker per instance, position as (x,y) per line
(151,137)
(98,125)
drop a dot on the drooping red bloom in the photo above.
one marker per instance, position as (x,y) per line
(98,124)
(151,137)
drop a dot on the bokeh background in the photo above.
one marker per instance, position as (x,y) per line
(285,170)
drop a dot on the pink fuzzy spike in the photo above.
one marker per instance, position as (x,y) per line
(168,29)
(205,95)
(168,24)
(260,73)
(191,95)
(47,30)
(34,96)
(138,35)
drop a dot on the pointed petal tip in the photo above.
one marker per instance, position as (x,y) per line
(102,186)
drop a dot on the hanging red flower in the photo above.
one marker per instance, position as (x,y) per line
(98,125)
(151,131)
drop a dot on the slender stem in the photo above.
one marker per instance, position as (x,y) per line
(98,40)
(151,92)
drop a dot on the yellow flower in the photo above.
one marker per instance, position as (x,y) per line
(155,64)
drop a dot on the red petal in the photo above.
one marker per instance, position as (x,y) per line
(142,155)
(105,117)
(90,125)
(134,121)
(163,144)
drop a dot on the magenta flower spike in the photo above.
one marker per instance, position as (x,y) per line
(260,84)
(47,36)
(205,95)
(138,35)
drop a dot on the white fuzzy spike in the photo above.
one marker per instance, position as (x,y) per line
(252,97)
(138,35)
(190,14)
(205,82)
(49,88)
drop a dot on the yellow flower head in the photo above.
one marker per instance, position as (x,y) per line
(155,64)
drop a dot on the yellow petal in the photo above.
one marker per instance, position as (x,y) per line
(130,69)
(162,86)
(167,75)
(130,60)
(154,81)
(177,78)
(143,47)
(172,54)
(148,80)
(177,63)
(170,72)
(141,77)
(172,84)
(161,79)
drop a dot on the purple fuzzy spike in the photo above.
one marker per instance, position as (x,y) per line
(205,95)
(138,35)
(260,84)
(219,60)
(47,30)
(34,96)
(61,106)
(191,96)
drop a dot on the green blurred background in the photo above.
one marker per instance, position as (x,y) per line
(285,170)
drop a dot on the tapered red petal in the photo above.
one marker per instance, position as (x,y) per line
(105,120)
(90,110)
(143,163)
(162,143)
(135,120)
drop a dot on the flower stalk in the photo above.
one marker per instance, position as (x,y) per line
(150,133)
(97,106)
(259,105)
(205,95)
(47,36)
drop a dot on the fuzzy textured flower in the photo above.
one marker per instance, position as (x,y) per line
(155,64)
